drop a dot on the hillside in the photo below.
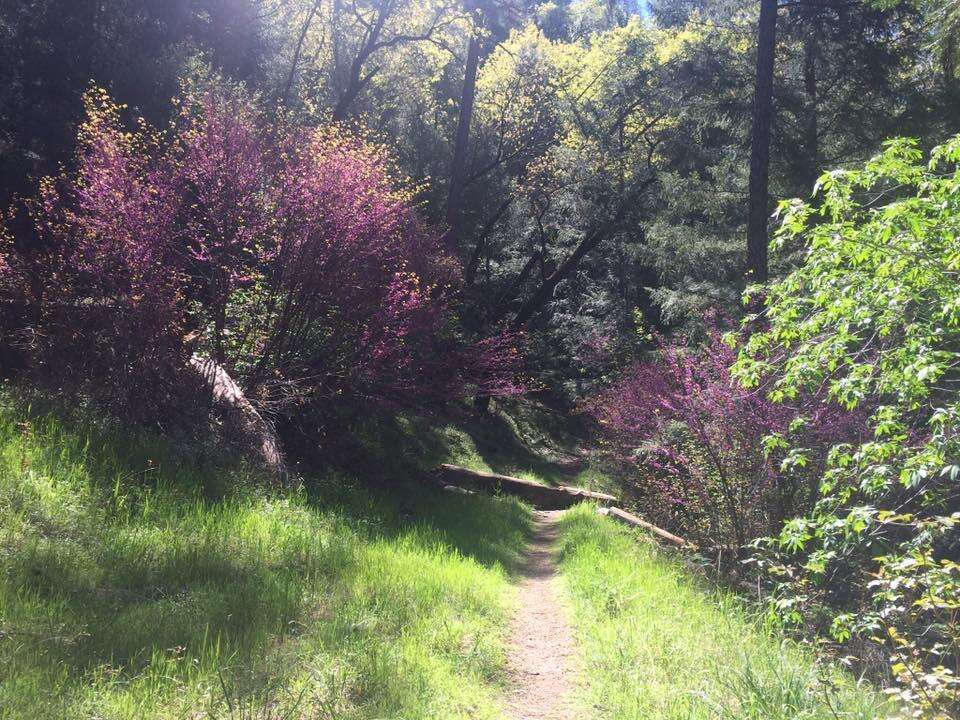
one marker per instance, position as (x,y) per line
(127,592)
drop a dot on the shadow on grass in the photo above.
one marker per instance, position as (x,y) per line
(388,447)
(122,555)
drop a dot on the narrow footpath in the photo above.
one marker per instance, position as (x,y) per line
(541,647)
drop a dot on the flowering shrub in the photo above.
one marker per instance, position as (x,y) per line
(103,279)
(694,437)
(291,256)
(871,318)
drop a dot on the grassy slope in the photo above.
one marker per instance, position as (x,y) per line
(125,592)
(657,644)
(522,438)
(128,591)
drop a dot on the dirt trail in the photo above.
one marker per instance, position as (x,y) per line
(541,646)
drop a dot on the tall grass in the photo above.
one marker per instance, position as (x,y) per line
(137,583)
(655,643)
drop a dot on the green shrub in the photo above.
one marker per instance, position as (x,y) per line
(872,317)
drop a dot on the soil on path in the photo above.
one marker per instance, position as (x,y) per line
(541,646)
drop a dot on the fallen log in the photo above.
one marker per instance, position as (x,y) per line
(540,496)
(633,521)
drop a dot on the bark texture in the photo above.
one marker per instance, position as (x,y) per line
(226,393)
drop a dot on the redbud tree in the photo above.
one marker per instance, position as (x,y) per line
(292,256)
(706,455)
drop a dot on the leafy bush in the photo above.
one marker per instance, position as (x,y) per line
(693,435)
(872,319)
(100,270)
(291,256)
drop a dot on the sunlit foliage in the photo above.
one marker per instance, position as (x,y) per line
(872,318)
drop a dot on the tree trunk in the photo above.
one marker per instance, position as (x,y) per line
(356,79)
(506,299)
(758,207)
(454,215)
(811,128)
(298,51)
(355,83)
(226,392)
(948,57)
(470,272)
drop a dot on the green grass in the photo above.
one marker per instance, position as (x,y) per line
(656,643)
(141,580)
(135,583)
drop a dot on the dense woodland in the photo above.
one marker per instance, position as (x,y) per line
(723,235)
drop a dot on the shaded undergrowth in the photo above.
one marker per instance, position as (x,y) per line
(520,438)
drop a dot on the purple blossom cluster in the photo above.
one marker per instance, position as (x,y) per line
(704,451)
(292,256)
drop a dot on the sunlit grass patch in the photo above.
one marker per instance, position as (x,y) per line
(126,592)
(656,643)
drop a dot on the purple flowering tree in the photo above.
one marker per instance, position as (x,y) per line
(291,256)
(706,455)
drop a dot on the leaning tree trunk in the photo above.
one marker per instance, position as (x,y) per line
(759,190)
(544,292)
(225,392)
(297,52)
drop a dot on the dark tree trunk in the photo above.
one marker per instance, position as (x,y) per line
(355,83)
(454,215)
(758,207)
(356,79)
(470,272)
(544,293)
(948,58)
(507,298)
(811,128)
